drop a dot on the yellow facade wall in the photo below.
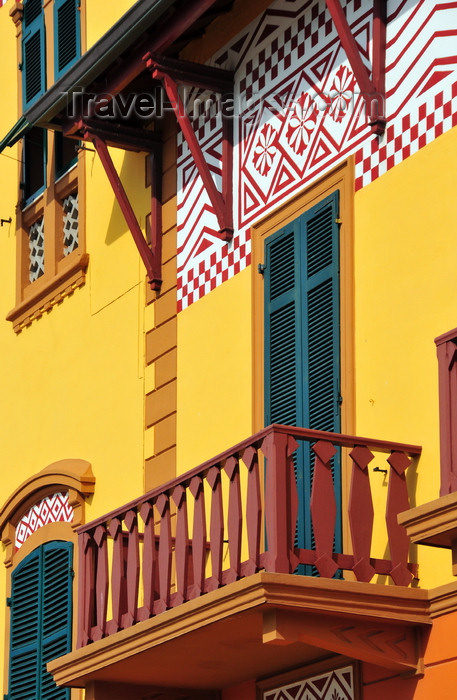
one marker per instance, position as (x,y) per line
(73,385)
(214,372)
(100,17)
(405,262)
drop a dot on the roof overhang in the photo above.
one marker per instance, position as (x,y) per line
(146,26)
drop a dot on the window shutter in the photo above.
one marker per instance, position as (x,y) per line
(320,258)
(67,34)
(302,347)
(24,635)
(281,322)
(41,611)
(33,52)
(56,613)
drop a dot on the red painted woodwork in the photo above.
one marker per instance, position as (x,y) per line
(150,258)
(398,502)
(170,73)
(118,584)
(253,510)
(149,562)
(165,553)
(198,536)
(446,348)
(216,528)
(181,544)
(235,518)
(180,558)
(323,508)
(133,569)
(360,510)
(372,88)
(101,582)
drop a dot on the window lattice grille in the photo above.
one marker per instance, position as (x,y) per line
(70,223)
(36,249)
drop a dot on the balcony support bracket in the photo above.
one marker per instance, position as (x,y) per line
(172,73)
(372,87)
(151,255)
(394,646)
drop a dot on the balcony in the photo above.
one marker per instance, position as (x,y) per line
(204,567)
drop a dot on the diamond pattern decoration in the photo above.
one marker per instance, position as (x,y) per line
(333,685)
(70,223)
(52,509)
(298,113)
(36,249)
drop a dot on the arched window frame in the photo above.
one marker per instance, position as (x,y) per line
(71,475)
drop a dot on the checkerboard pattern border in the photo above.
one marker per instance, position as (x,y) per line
(273,46)
(405,137)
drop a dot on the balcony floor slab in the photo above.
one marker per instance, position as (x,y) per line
(255,627)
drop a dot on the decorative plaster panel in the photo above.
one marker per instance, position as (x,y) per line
(52,509)
(333,685)
(298,112)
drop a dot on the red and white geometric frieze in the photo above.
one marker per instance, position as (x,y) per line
(333,685)
(298,112)
(52,509)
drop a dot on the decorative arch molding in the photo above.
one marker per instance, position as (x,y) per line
(73,476)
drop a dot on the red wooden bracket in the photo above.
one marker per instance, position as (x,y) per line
(151,256)
(172,72)
(372,87)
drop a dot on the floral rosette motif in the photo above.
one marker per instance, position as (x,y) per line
(265,149)
(301,124)
(341,93)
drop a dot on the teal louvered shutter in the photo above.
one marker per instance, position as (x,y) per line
(67,39)
(56,613)
(41,612)
(33,52)
(24,629)
(302,346)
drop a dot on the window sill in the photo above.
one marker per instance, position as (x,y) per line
(40,296)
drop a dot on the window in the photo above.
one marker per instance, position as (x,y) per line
(50,232)
(63,20)
(302,337)
(40,622)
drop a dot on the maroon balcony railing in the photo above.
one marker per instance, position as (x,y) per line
(209,526)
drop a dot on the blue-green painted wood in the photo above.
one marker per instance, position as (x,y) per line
(302,339)
(33,53)
(41,621)
(67,35)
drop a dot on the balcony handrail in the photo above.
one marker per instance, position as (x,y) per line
(163,551)
(339,439)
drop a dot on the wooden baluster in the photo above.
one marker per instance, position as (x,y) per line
(182,545)
(101,582)
(279,499)
(198,537)
(253,509)
(149,561)
(397,502)
(292,445)
(361,513)
(216,529)
(118,584)
(133,568)
(323,508)
(86,588)
(235,518)
(165,554)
